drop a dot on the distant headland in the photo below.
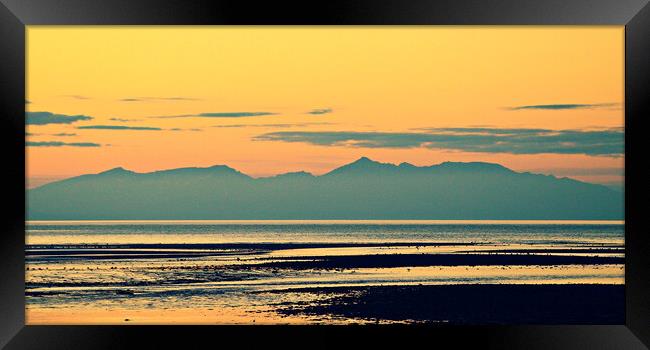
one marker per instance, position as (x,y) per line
(363,189)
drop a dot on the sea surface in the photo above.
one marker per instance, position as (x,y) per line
(324,272)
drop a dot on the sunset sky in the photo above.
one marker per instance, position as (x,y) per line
(269,100)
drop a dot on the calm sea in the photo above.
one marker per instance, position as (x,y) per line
(120,232)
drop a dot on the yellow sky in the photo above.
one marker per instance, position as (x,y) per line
(374,79)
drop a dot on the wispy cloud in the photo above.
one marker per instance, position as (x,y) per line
(180,129)
(270,125)
(145,99)
(124,120)
(608,142)
(234,114)
(61,134)
(125,127)
(320,111)
(218,115)
(61,144)
(78,97)
(566,106)
(118,127)
(43,118)
(484,131)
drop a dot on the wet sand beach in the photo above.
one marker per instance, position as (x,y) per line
(472,304)
(325,275)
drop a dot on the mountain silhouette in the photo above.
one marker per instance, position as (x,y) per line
(363,189)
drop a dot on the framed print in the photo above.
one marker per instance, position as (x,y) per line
(463,172)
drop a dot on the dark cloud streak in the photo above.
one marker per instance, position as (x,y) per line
(608,142)
(318,111)
(60,144)
(565,106)
(43,118)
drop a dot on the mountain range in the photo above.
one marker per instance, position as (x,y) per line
(364,189)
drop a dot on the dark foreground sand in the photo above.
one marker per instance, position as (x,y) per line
(473,304)
(403,260)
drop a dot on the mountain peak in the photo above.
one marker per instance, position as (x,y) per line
(364,160)
(224,169)
(221,167)
(115,171)
(211,170)
(362,165)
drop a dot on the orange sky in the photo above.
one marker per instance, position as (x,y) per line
(373,79)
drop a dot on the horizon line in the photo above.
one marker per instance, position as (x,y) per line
(357,221)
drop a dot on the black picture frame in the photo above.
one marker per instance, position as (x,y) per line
(16,14)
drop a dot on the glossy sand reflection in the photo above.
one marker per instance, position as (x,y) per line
(294,273)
